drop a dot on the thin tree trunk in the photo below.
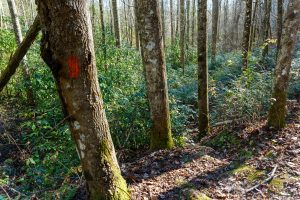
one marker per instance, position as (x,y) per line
(202,69)
(182,35)
(19,38)
(116,23)
(103,31)
(177,19)
(19,54)
(266,27)
(279,24)
(155,72)
(172,23)
(253,25)
(163,22)
(277,112)
(215,19)
(137,37)
(246,36)
(194,23)
(225,38)
(188,5)
(69,52)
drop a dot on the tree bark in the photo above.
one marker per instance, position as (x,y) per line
(225,38)
(253,25)
(202,69)
(103,32)
(188,5)
(67,48)
(172,23)
(246,36)
(279,24)
(163,22)
(116,23)
(19,38)
(268,5)
(215,19)
(278,110)
(155,72)
(137,37)
(19,54)
(194,23)
(182,35)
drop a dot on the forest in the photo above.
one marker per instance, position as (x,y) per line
(149,99)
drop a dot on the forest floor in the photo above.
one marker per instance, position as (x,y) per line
(247,161)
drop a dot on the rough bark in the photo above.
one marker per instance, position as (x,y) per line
(116,23)
(246,35)
(19,54)
(215,20)
(202,69)
(67,48)
(278,110)
(279,24)
(182,35)
(155,72)
(19,38)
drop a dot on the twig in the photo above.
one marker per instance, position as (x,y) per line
(265,181)
(5,193)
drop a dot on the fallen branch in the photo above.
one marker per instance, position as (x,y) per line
(271,176)
(19,54)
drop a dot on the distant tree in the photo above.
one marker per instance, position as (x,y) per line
(19,39)
(162,10)
(182,35)
(137,37)
(194,23)
(188,6)
(246,35)
(103,34)
(202,69)
(116,22)
(278,110)
(67,48)
(155,73)
(266,27)
(172,23)
(215,20)
(279,24)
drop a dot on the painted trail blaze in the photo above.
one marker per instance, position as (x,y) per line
(74,69)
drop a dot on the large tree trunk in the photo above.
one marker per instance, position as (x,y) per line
(246,36)
(155,72)
(202,69)
(19,38)
(182,35)
(67,48)
(279,24)
(19,54)
(116,23)
(277,112)
(215,20)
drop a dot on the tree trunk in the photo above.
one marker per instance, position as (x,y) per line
(202,69)
(19,54)
(137,37)
(116,23)
(246,36)
(67,48)
(278,110)
(225,38)
(188,5)
(177,18)
(194,23)
(172,23)
(253,25)
(163,22)
(215,19)
(182,35)
(279,24)
(266,27)
(155,72)
(19,38)
(103,31)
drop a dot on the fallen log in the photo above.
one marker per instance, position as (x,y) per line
(19,54)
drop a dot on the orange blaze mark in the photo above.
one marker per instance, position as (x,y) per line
(74,69)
